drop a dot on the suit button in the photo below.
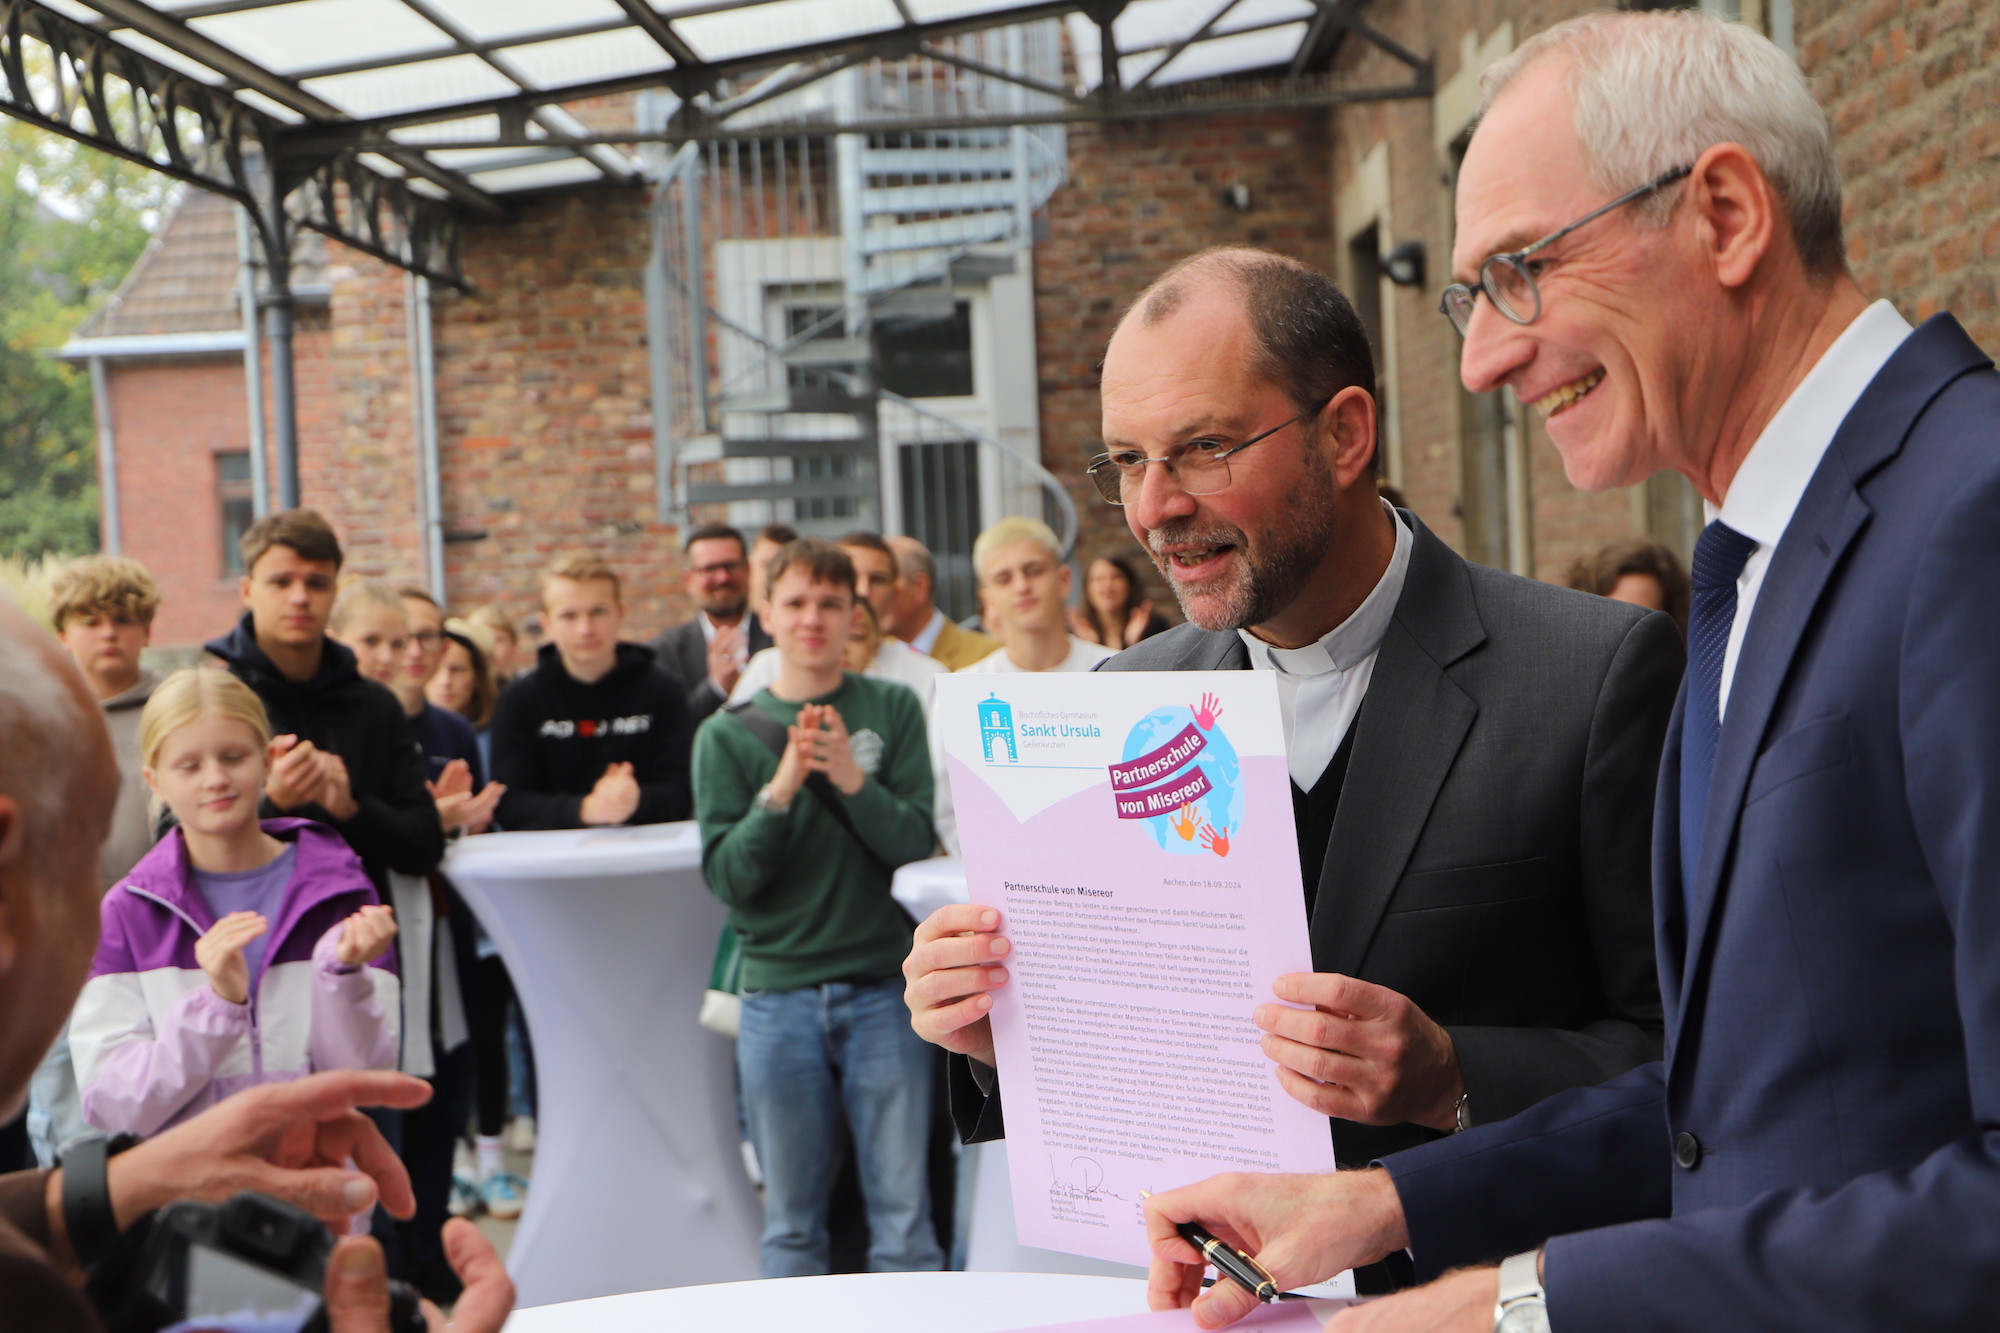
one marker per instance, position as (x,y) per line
(1687,1151)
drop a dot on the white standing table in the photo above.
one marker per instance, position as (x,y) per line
(639,1182)
(854,1303)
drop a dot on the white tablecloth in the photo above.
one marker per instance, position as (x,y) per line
(856,1303)
(638,1180)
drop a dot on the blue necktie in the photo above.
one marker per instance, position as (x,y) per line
(1719,558)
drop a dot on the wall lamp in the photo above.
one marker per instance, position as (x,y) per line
(1405,264)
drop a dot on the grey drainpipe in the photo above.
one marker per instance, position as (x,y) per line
(423,370)
(253,363)
(107,458)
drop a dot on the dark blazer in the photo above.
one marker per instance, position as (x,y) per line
(1490,855)
(1820,1148)
(683,651)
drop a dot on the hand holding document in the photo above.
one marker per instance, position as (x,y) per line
(1133,832)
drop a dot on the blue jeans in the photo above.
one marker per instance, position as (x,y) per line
(805,1056)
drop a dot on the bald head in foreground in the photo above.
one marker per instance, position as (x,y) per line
(1648,251)
(306,1142)
(1472,754)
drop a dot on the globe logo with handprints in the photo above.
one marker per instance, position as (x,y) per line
(1180,775)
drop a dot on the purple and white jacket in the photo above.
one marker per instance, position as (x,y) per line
(152,1041)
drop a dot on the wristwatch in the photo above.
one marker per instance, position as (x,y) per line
(1524,1306)
(770,804)
(1461,1114)
(86,1195)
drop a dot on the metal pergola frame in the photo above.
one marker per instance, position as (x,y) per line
(319,173)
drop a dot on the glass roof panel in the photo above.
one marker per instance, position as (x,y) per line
(937,11)
(382,92)
(269,106)
(313,34)
(474,128)
(574,60)
(1150,23)
(538,175)
(784,23)
(1230,55)
(473,159)
(1254,13)
(70,9)
(493,20)
(166,55)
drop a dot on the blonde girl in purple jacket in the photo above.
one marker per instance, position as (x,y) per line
(238,951)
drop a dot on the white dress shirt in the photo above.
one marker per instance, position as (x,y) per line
(894,660)
(1083,655)
(1320,686)
(709,630)
(1768,486)
(927,638)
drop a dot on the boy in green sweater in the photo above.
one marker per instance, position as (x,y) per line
(801,846)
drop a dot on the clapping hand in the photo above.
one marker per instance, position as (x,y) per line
(614,798)
(296,777)
(725,658)
(220,954)
(365,936)
(827,747)
(457,807)
(302,774)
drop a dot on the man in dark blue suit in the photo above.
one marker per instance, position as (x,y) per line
(1820,1149)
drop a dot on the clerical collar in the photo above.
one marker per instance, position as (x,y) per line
(1350,642)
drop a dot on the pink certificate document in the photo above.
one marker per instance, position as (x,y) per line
(1135,831)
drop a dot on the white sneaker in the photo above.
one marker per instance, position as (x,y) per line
(503,1195)
(521,1134)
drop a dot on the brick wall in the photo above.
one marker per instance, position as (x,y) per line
(544,424)
(1913,90)
(172,417)
(1139,198)
(1563,522)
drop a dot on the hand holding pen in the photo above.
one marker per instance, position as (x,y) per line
(1233,1264)
(1299,1229)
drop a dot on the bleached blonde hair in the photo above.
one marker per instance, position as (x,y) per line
(1654,91)
(1014,529)
(357,593)
(196,692)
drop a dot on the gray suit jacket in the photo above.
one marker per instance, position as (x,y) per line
(1490,857)
(683,651)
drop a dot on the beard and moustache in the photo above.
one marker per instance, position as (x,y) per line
(1273,569)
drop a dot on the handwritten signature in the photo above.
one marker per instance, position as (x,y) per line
(1085,1182)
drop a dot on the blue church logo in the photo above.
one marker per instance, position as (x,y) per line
(996,728)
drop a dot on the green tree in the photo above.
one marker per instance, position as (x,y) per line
(72,222)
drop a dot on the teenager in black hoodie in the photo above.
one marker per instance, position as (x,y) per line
(598,732)
(355,765)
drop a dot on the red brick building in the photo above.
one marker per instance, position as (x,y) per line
(544,415)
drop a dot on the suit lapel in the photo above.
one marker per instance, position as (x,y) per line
(1407,734)
(1831,514)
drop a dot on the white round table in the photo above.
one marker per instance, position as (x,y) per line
(854,1303)
(639,1182)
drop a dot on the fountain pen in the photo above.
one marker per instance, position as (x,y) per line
(1233,1264)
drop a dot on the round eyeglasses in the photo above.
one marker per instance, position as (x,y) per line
(1509,279)
(1198,468)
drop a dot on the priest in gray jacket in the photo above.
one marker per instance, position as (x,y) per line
(1473,754)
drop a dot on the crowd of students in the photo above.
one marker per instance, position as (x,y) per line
(273,903)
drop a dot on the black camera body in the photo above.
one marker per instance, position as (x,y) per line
(252,1264)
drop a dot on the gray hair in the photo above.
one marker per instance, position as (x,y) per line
(1654,91)
(38,730)
(915,561)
